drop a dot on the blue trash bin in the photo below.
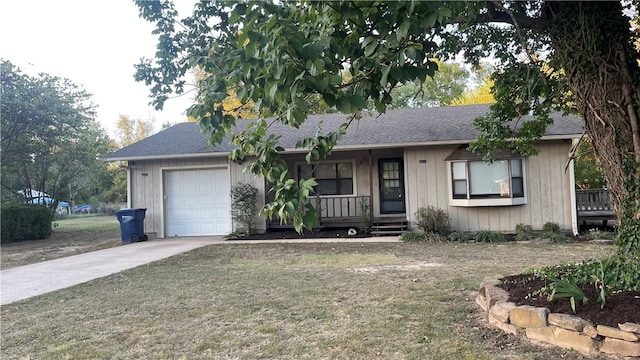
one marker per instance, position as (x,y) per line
(131,225)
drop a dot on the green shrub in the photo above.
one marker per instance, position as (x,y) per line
(550,227)
(413,236)
(597,234)
(433,220)
(25,222)
(554,237)
(523,232)
(489,236)
(365,215)
(244,207)
(460,237)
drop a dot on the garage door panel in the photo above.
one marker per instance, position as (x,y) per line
(190,201)
(198,202)
(188,214)
(210,228)
(219,213)
(191,176)
(210,215)
(190,189)
(174,187)
(189,229)
(207,188)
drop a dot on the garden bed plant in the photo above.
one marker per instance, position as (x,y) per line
(603,291)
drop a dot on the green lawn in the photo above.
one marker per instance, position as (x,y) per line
(287,301)
(71,235)
(86,223)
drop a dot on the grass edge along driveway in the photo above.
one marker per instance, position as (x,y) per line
(72,235)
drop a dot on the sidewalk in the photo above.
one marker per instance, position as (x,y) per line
(27,281)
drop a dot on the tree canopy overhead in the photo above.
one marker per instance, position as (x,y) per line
(575,56)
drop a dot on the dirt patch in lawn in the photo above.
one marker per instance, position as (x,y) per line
(412,266)
(69,249)
(619,308)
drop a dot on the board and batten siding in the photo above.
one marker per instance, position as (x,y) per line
(547,187)
(147,191)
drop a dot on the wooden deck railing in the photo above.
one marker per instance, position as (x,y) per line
(593,200)
(594,204)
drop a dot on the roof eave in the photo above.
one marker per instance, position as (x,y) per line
(337,148)
(165,156)
(432,143)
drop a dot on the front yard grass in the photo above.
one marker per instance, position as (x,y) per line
(287,301)
(71,235)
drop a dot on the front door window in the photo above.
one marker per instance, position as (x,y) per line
(391,186)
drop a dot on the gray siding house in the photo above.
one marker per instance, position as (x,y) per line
(394,163)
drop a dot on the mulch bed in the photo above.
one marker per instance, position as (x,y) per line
(619,308)
(329,233)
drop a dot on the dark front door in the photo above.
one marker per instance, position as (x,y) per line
(391,186)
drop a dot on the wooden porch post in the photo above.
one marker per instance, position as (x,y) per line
(371,210)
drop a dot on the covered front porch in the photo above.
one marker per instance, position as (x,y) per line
(363,189)
(351,211)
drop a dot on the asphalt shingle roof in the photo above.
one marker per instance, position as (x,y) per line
(405,127)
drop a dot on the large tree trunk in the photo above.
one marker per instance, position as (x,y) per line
(593,42)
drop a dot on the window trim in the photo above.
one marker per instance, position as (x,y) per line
(489,201)
(353,176)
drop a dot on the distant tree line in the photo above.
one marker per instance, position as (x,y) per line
(51,142)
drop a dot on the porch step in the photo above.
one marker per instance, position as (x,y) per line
(380,227)
(385,233)
(388,226)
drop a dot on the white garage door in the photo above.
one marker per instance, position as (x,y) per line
(198,202)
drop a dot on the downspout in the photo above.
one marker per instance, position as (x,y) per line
(574,207)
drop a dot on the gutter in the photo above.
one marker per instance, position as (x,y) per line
(574,205)
(164,156)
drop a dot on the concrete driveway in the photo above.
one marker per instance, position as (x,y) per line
(31,280)
(27,281)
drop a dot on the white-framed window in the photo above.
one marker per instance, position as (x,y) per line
(333,178)
(478,183)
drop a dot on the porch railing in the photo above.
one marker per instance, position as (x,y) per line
(593,200)
(349,206)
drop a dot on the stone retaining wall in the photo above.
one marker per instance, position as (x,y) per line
(561,330)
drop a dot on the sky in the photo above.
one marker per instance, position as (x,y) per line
(95,44)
